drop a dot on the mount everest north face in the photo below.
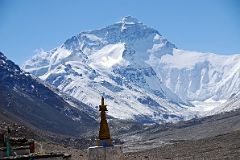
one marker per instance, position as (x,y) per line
(140,73)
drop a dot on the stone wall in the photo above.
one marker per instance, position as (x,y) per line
(53,156)
(105,153)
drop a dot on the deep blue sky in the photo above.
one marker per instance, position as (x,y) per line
(200,25)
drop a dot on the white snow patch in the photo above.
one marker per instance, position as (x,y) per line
(93,37)
(157,37)
(204,108)
(187,59)
(108,56)
(58,55)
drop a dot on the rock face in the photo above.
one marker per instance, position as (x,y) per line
(25,99)
(141,74)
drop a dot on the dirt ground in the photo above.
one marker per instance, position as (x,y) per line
(222,147)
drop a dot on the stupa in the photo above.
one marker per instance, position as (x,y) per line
(104,149)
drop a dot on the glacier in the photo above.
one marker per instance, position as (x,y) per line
(141,74)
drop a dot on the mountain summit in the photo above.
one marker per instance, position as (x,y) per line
(141,74)
(129,20)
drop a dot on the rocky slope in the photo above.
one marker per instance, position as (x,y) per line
(23,98)
(192,130)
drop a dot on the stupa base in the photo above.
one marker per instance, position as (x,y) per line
(105,153)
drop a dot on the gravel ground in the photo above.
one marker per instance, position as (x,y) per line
(221,147)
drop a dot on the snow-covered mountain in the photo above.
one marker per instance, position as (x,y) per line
(206,79)
(112,62)
(142,74)
(199,76)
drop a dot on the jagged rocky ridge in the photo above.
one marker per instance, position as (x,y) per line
(23,98)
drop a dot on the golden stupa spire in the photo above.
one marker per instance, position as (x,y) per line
(104,138)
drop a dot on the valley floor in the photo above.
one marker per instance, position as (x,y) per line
(210,138)
(220,147)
